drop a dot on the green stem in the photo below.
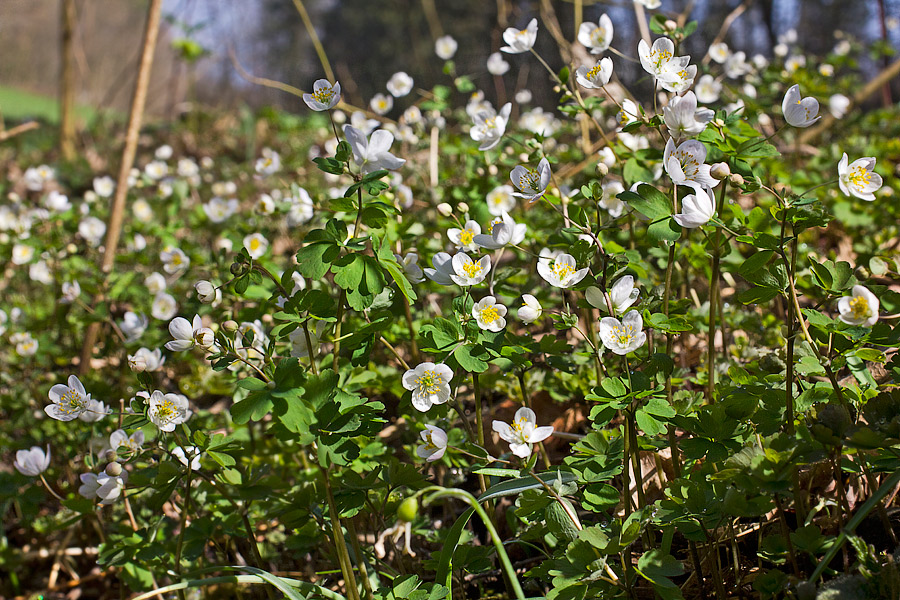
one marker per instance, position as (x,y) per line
(479,424)
(337,331)
(469,499)
(337,532)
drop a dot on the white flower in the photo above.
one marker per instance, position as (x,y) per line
(374,153)
(500,200)
(324,95)
(218,209)
(400,84)
(269,163)
(33,462)
(707,89)
(167,410)
(164,307)
(596,37)
(531,309)
(623,336)
(859,179)
(410,267)
(683,118)
(187,334)
(794,62)
(301,209)
(696,209)
(838,105)
(536,120)
(798,111)
(489,314)
(464,238)
(490,126)
(445,47)
(133,325)
(629,113)
(623,294)
(859,309)
(206,291)
(22,254)
(40,272)
(595,77)
(156,170)
(467,272)
(659,60)
(429,383)
(92,230)
(27,346)
(174,260)
(520,40)
(443,269)
(183,453)
(496,65)
(164,152)
(265,205)
(68,401)
(434,444)
(522,432)
(381,104)
(187,168)
(736,65)
(57,202)
(504,230)
(299,347)
(679,81)
(145,359)
(719,52)
(107,489)
(95,411)
(256,245)
(531,183)
(120,439)
(610,199)
(686,163)
(560,271)
(71,290)
(36,177)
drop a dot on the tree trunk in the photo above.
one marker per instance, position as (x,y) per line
(67,82)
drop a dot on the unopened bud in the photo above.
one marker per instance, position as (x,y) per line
(408,510)
(719,123)
(206,292)
(230,326)
(720,170)
(670,25)
(736,179)
(445,209)
(463,207)
(113,469)
(111,455)
(237,268)
(602,169)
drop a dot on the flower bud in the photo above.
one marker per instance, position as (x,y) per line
(237,268)
(670,25)
(463,207)
(719,123)
(113,469)
(720,170)
(206,292)
(736,179)
(230,326)
(445,209)
(602,169)
(205,339)
(111,455)
(408,510)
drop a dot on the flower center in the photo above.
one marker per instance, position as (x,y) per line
(562,271)
(597,37)
(860,178)
(659,58)
(465,237)
(165,412)
(71,401)
(472,269)
(489,314)
(529,180)
(859,307)
(323,95)
(429,383)
(429,443)
(622,335)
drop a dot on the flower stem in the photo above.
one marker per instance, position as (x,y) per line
(479,424)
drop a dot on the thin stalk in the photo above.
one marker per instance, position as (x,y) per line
(337,330)
(413,347)
(314,38)
(360,559)
(393,351)
(479,424)
(714,304)
(469,499)
(309,347)
(337,532)
(786,532)
(184,515)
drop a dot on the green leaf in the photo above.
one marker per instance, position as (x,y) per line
(255,406)
(650,202)
(515,487)
(472,358)
(664,230)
